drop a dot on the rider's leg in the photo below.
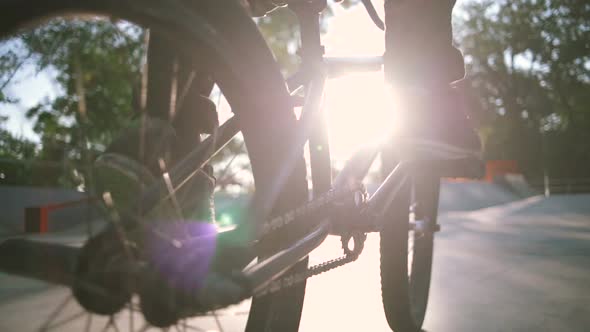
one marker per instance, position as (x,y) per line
(420,63)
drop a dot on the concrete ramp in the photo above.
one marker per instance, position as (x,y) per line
(454,196)
(472,195)
(517,184)
(15,199)
(536,207)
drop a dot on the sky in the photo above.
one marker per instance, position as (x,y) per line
(29,87)
(355,105)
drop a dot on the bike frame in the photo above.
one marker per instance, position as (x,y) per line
(312,75)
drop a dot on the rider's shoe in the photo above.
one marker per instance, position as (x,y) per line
(434,127)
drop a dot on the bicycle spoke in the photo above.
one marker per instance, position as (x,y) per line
(226,168)
(111,323)
(88,323)
(58,310)
(184,323)
(144,74)
(173,89)
(173,199)
(217,321)
(66,320)
(115,219)
(145,327)
(410,252)
(131,316)
(170,188)
(114,324)
(219,97)
(185,89)
(193,328)
(143,97)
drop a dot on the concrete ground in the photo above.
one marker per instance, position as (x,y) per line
(523,266)
(519,266)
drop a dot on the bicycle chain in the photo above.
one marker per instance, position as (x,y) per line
(298,277)
(314,206)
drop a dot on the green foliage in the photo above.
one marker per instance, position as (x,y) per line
(279,28)
(529,64)
(95,60)
(15,148)
(97,68)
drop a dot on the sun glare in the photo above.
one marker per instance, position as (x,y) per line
(358,106)
(359,111)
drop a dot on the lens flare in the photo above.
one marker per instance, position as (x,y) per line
(183,267)
(360,111)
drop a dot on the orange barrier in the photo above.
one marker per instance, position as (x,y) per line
(500,167)
(37,218)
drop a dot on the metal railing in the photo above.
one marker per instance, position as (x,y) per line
(551,186)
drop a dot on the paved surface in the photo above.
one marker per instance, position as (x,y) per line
(520,266)
(524,266)
(469,196)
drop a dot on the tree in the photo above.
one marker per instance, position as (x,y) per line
(97,65)
(529,64)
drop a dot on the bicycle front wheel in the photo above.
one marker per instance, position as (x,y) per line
(260,103)
(406,247)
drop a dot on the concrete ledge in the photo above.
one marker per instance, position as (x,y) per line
(16,199)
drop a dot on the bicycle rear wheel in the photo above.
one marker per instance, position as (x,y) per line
(276,161)
(406,246)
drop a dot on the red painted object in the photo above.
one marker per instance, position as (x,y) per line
(37,218)
(500,167)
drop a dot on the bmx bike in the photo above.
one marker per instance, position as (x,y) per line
(189,269)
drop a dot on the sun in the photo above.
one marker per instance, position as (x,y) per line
(359,111)
(358,107)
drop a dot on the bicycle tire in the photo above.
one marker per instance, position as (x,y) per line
(405,286)
(261,102)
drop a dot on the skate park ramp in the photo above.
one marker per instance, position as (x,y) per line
(519,266)
(538,206)
(500,259)
(457,195)
(454,196)
(517,184)
(16,199)
(473,195)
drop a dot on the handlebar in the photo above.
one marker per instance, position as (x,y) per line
(373,14)
(369,7)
